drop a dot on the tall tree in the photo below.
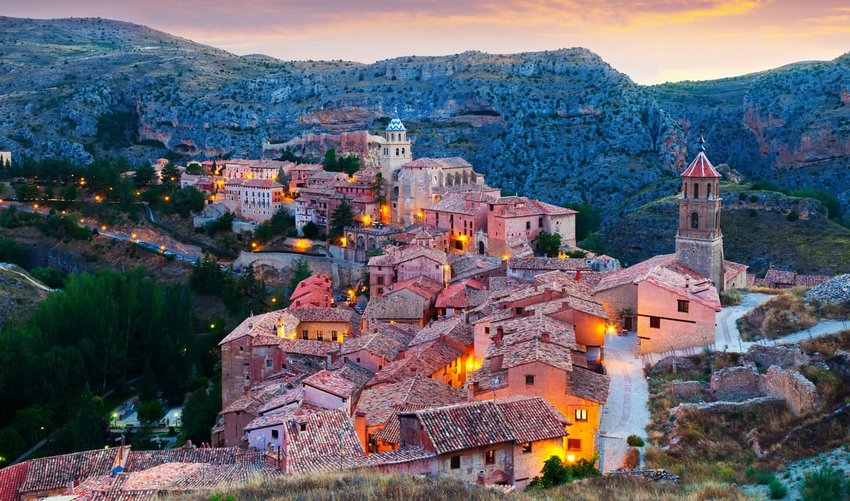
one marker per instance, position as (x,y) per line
(300,271)
(548,244)
(341,217)
(170,175)
(144,175)
(88,432)
(379,188)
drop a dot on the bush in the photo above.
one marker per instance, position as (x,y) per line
(776,489)
(825,484)
(555,472)
(792,216)
(635,441)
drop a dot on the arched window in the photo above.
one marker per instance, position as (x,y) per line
(392,136)
(695,220)
(396,152)
(696,190)
(402,151)
(708,190)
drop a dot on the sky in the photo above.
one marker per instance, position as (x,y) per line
(652,41)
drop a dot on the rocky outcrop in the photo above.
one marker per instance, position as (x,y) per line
(834,290)
(365,146)
(784,357)
(656,475)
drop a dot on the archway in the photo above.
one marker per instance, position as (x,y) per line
(481,249)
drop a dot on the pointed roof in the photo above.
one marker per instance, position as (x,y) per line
(395,124)
(701,166)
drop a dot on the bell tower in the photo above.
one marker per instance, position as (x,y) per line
(396,150)
(699,241)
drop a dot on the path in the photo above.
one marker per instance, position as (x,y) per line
(626,412)
(729,337)
(9,268)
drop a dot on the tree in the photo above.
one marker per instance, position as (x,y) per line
(348,164)
(199,416)
(68,193)
(549,244)
(147,388)
(151,412)
(188,200)
(310,230)
(341,217)
(379,189)
(89,434)
(283,179)
(170,175)
(588,219)
(329,161)
(144,175)
(195,169)
(595,243)
(300,271)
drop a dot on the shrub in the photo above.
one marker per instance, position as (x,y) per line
(825,484)
(555,472)
(792,216)
(634,441)
(776,489)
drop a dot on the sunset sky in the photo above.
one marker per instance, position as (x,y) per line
(650,40)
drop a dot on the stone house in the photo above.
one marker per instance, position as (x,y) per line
(462,214)
(503,441)
(319,323)
(400,264)
(422,181)
(377,346)
(315,290)
(521,217)
(254,199)
(669,305)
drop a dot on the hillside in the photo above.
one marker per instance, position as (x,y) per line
(19,293)
(756,231)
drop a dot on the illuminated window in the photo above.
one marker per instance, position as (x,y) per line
(581,414)
(573,444)
(526,448)
(490,457)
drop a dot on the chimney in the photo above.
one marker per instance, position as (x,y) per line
(544,336)
(360,428)
(578,275)
(547,294)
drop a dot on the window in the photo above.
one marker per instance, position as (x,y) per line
(490,457)
(518,310)
(655,322)
(526,448)
(683,305)
(573,444)
(334,336)
(320,336)
(486,330)
(302,426)
(269,363)
(454,462)
(458,245)
(708,190)
(581,414)
(274,434)
(380,280)
(695,220)
(529,379)
(539,222)
(528,225)
(304,334)
(696,190)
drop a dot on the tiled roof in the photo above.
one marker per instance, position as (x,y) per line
(664,271)
(427,359)
(422,286)
(327,441)
(357,374)
(265,323)
(394,307)
(701,167)
(733,269)
(332,383)
(291,317)
(396,256)
(380,402)
(547,263)
(461,294)
(315,290)
(143,460)
(55,472)
(524,207)
(384,342)
(403,455)
(437,163)
(11,480)
(454,203)
(453,328)
(308,347)
(289,397)
(391,432)
(477,424)
(279,418)
(589,385)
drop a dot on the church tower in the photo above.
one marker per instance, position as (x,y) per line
(396,150)
(699,241)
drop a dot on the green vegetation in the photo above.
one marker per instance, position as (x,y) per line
(776,489)
(348,164)
(12,252)
(101,330)
(300,271)
(288,155)
(222,223)
(828,198)
(341,217)
(241,295)
(548,244)
(825,484)
(595,242)
(51,277)
(117,129)
(310,230)
(779,316)
(634,441)
(88,426)
(200,412)
(282,223)
(588,219)
(556,472)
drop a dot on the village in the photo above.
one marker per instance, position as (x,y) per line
(479,342)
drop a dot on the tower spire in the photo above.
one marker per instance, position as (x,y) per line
(701,141)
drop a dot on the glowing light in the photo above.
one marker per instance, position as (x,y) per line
(138,193)
(274,300)
(167,198)
(133,236)
(611,328)
(162,248)
(506,256)
(462,239)
(81,220)
(103,227)
(367,220)
(212,326)
(114,415)
(571,458)
(302,244)
(343,242)
(254,245)
(97,198)
(35,206)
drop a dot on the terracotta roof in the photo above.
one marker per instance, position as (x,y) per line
(524,207)
(461,294)
(395,307)
(454,203)
(55,472)
(403,455)
(477,424)
(327,441)
(589,385)
(265,323)
(381,402)
(437,163)
(547,263)
(733,269)
(315,290)
(143,460)
(701,167)
(453,328)
(396,255)
(391,432)
(11,480)
(427,359)
(385,342)
(291,317)
(332,383)
(664,271)
(422,286)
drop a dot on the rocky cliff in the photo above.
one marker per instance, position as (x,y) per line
(559,125)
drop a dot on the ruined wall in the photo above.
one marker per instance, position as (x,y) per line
(799,393)
(687,389)
(736,384)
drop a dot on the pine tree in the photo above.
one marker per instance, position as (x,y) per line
(299,272)
(341,217)
(170,175)
(88,432)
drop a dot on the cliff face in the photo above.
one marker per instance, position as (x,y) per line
(559,125)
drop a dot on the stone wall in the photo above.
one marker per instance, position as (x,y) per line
(687,389)
(785,357)
(799,393)
(342,273)
(735,384)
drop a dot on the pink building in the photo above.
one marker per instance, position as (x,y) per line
(521,217)
(400,264)
(669,305)
(316,290)
(254,199)
(463,214)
